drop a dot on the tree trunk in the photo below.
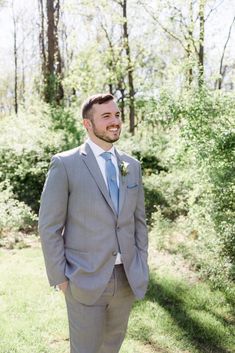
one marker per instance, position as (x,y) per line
(222,70)
(189,74)
(23,73)
(15,61)
(122,102)
(58,60)
(50,75)
(42,39)
(130,70)
(189,46)
(201,42)
(54,92)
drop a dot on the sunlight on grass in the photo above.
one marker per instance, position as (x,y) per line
(33,316)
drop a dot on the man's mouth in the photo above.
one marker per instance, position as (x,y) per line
(113,129)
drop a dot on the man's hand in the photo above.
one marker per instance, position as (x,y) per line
(63,286)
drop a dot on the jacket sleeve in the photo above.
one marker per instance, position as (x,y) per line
(141,233)
(52,217)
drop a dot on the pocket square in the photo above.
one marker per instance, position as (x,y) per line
(132,186)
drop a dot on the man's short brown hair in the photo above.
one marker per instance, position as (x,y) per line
(95,99)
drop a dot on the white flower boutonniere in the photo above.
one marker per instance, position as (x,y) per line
(124,168)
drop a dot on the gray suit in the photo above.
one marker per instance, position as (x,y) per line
(80,230)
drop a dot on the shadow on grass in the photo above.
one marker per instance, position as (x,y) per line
(171,295)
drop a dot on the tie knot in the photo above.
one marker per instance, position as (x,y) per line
(106,155)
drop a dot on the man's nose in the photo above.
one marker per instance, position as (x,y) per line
(116,119)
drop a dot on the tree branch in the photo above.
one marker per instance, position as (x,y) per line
(213,9)
(223,53)
(164,28)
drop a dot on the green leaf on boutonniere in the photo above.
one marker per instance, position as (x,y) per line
(124,168)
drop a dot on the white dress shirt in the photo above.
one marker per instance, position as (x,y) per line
(97,151)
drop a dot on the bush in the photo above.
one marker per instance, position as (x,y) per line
(14,215)
(153,199)
(64,121)
(25,172)
(194,140)
(209,129)
(222,162)
(170,191)
(156,148)
(193,237)
(24,161)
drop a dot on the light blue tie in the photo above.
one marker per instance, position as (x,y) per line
(111,176)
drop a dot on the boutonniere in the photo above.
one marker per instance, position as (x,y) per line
(124,168)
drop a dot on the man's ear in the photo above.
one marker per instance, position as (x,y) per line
(86,123)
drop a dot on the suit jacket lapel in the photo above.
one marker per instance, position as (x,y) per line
(92,165)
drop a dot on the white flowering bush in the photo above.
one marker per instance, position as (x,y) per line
(14,215)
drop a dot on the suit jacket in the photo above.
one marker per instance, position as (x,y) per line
(80,230)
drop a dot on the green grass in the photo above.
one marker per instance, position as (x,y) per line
(32,315)
(191,317)
(176,316)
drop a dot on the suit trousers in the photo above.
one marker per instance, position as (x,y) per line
(101,327)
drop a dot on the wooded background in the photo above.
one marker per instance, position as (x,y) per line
(62,50)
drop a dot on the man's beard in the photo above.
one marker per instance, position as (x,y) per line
(102,135)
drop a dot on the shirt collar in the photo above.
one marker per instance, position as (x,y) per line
(97,150)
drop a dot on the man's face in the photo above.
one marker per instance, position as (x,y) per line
(105,124)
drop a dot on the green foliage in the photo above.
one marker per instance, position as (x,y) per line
(168,177)
(66,121)
(193,237)
(174,188)
(25,164)
(153,198)
(150,162)
(26,173)
(85,76)
(210,126)
(222,167)
(201,173)
(192,136)
(53,90)
(14,215)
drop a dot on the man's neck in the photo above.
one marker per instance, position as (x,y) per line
(106,146)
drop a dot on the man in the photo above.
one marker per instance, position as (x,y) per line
(93,231)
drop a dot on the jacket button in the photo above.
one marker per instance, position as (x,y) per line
(114,253)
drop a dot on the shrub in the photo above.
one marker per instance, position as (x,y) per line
(193,237)
(24,161)
(14,215)
(209,129)
(26,172)
(173,190)
(195,145)
(64,120)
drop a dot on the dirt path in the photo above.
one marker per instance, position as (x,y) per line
(174,264)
